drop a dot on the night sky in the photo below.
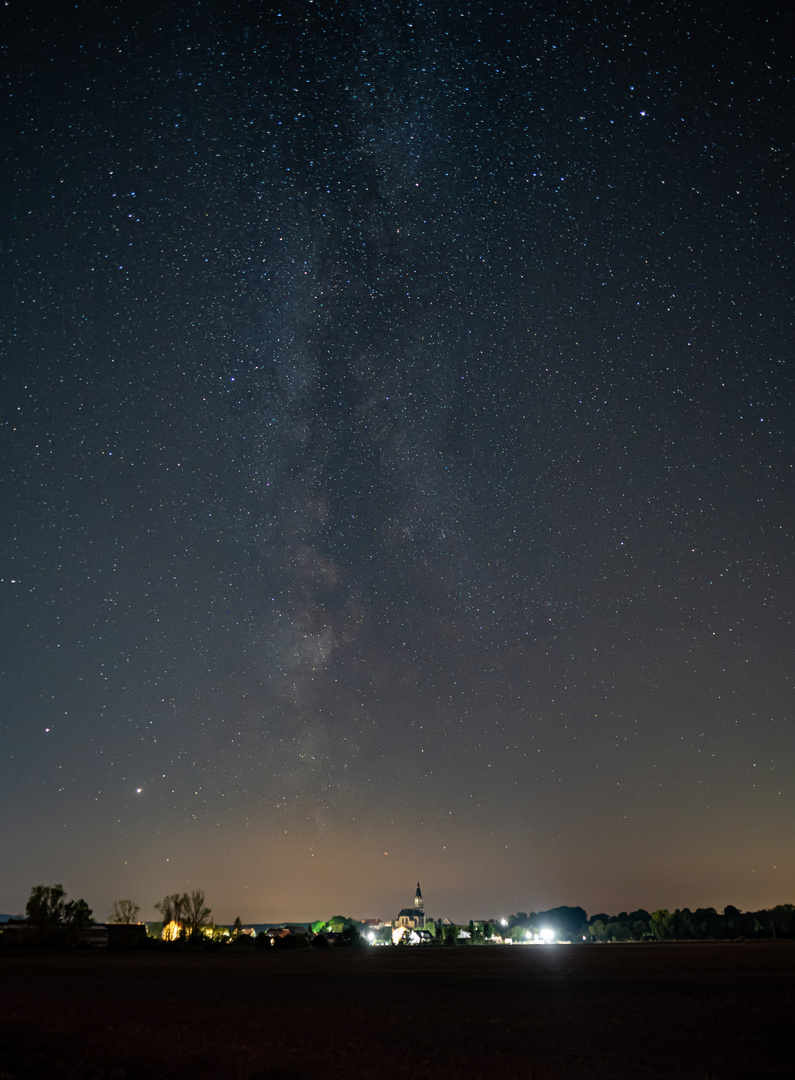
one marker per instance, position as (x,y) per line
(397,445)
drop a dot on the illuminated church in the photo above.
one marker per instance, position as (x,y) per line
(414,917)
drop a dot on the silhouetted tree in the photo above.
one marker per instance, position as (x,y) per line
(598,929)
(78,916)
(194,913)
(617,930)
(684,926)
(565,922)
(706,922)
(662,923)
(53,917)
(782,920)
(124,911)
(171,910)
(351,936)
(638,922)
(46,910)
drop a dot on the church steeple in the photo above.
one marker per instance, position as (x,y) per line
(413,918)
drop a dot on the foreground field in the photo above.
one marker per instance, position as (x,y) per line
(535,1013)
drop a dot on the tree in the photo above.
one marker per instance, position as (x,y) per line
(639,923)
(195,915)
(351,936)
(218,934)
(171,911)
(662,924)
(45,910)
(566,921)
(54,917)
(124,911)
(77,916)
(237,927)
(684,927)
(782,921)
(707,922)
(598,929)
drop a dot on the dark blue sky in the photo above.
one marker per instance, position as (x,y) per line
(397,456)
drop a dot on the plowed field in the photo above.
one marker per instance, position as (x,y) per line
(534,1013)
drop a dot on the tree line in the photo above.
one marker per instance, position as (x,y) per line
(54,919)
(703,924)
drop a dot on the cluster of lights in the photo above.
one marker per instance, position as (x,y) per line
(545,936)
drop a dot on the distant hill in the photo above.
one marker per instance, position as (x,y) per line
(5,918)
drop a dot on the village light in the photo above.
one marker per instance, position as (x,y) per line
(547,933)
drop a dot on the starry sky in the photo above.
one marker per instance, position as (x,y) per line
(397,455)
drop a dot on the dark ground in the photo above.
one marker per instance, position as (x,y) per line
(534,1013)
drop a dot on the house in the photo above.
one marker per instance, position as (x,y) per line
(94,936)
(290,934)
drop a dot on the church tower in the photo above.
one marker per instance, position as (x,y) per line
(419,907)
(413,918)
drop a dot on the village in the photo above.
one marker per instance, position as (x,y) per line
(52,920)
(411,926)
(185,918)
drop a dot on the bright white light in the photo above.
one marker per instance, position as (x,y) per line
(547,933)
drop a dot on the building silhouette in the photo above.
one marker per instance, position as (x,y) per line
(414,917)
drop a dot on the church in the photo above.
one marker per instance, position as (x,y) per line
(413,918)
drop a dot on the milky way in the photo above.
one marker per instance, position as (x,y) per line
(397,440)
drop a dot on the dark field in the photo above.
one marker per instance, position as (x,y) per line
(602,1011)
